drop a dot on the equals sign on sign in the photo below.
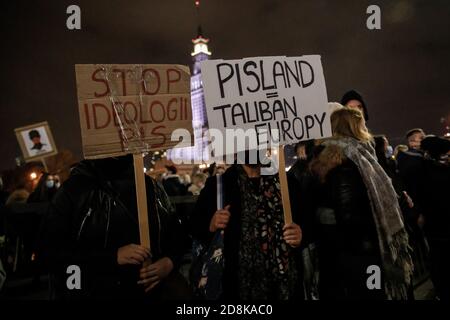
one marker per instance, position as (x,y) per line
(271,95)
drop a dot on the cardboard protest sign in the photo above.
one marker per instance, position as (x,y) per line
(286,94)
(36,141)
(131,108)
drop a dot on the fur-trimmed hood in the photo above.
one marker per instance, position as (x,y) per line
(330,154)
(326,158)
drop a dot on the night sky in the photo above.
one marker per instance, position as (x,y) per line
(402,69)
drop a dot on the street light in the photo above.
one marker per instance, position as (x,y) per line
(33,175)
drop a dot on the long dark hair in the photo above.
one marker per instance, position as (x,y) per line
(380,140)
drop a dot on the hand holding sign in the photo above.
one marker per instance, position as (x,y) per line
(220,219)
(292,234)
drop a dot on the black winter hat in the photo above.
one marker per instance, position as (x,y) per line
(435,146)
(34,134)
(354,95)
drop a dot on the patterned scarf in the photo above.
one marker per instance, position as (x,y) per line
(392,236)
(266,266)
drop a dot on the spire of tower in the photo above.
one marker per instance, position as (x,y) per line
(200,42)
(197,11)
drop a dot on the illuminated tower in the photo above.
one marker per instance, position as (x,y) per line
(199,117)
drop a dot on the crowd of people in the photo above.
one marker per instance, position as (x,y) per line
(370,204)
(187,184)
(357,203)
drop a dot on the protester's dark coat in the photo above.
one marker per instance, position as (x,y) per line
(204,211)
(434,194)
(94,214)
(410,168)
(347,237)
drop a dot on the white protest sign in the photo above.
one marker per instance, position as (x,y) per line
(263,94)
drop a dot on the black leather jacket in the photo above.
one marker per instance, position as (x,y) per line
(90,218)
(351,206)
(347,237)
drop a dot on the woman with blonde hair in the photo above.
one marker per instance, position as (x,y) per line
(363,245)
(400,148)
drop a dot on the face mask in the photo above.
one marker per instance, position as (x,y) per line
(389,152)
(58,184)
(50,183)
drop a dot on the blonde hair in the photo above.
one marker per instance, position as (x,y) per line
(348,122)
(400,148)
(199,177)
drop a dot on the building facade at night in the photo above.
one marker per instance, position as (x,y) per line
(198,152)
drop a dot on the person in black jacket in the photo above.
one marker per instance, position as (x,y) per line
(359,220)
(410,165)
(434,198)
(261,253)
(92,223)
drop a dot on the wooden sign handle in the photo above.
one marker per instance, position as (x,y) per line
(284,186)
(141,196)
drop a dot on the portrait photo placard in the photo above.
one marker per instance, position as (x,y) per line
(36,141)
